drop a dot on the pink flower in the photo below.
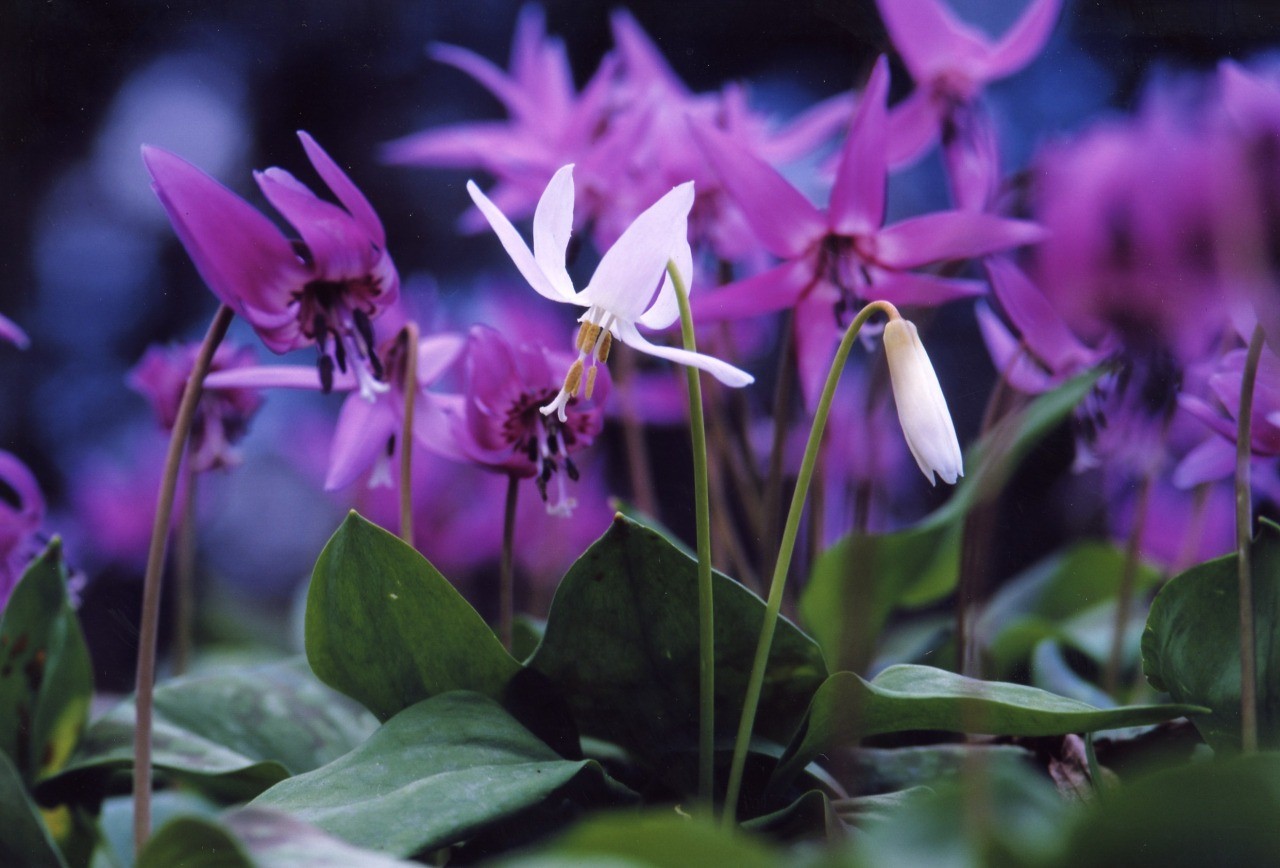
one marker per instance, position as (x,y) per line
(324,288)
(10,332)
(21,513)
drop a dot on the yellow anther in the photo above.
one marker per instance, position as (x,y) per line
(587,336)
(573,379)
(603,352)
(591,380)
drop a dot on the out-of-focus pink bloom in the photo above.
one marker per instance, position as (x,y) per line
(368,431)
(325,288)
(1180,528)
(496,422)
(630,285)
(223,415)
(951,62)
(1037,351)
(837,259)
(21,512)
(9,331)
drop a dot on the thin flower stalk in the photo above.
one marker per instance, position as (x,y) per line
(410,337)
(150,621)
(1244,538)
(702,512)
(506,571)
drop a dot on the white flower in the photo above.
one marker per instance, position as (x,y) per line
(922,409)
(621,292)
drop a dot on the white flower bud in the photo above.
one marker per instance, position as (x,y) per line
(922,410)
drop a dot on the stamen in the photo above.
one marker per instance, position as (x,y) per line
(325,365)
(573,380)
(557,406)
(340,351)
(588,336)
(591,380)
(602,347)
(571,468)
(364,327)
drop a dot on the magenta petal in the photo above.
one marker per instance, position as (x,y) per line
(1009,356)
(816,335)
(26,516)
(642,59)
(914,124)
(487,144)
(805,132)
(276,377)
(11,332)
(910,289)
(929,37)
(490,76)
(776,289)
(345,189)
(857,196)
(436,354)
(785,221)
(240,254)
(339,247)
(1033,316)
(363,430)
(1212,460)
(1023,41)
(947,235)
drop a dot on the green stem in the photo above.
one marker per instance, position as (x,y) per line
(1244,536)
(774,603)
(1124,593)
(506,572)
(150,622)
(410,335)
(706,604)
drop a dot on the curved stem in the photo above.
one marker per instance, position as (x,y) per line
(149,626)
(506,572)
(1244,538)
(410,334)
(702,512)
(774,603)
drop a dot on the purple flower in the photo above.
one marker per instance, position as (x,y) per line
(834,260)
(21,513)
(621,293)
(10,332)
(369,428)
(496,422)
(223,415)
(324,288)
(951,63)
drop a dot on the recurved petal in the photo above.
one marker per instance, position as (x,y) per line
(785,221)
(666,306)
(947,235)
(1023,41)
(436,354)
(240,254)
(914,289)
(1212,460)
(857,196)
(776,289)
(816,335)
(913,128)
(1009,355)
(722,371)
(487,74)
(631,270)
(929,37)
(1031,313)
(338,246)
(276,377)
(552,226)
(345,189)
(519,252)
(364,428)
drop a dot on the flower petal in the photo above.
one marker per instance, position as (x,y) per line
(436,353)
(929,37)
(519,252)
(345,189)
(493,79)
(947,235)
(776,289)
(816,334)
(1041,326)
(239,253)
(914,125)
(339,247)
(722,371)
(922,408)
(857,196)
(911,289)
(666,306)
(13,333)
(631,270)
(1009,355)
(785,221)
(1023,41)
(364,428)
(552,226)
(807,130)
(276,377)
(1212,460)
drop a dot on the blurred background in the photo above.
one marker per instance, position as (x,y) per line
(90,267)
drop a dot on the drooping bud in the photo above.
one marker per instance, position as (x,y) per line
(922,409)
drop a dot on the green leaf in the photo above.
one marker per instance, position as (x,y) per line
(230,734)
(882,770)
(1191,647)
(808,817)
(858,582)
(46,679)
(385,628)
(194,842)
(24,840)
(906,698)
(622,645)
(115,820)
(455,764)
(653,839)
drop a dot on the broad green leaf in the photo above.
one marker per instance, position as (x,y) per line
(24,839)
(1210,813)
(622,645)
(653,839)
(1191,647)
(906,698)
(115,820)
(230,735)
(46,679)
(882,770)
(861,579)
(385,628)
(255,838)
(809,817)
(439,772)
